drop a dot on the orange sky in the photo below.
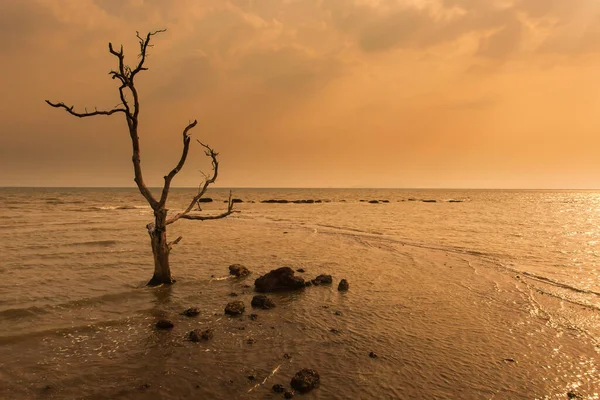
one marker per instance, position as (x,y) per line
(308,93)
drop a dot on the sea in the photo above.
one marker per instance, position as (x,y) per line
(453,294)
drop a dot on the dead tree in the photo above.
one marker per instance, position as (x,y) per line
(130,108)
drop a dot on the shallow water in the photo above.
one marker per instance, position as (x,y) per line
(494,297)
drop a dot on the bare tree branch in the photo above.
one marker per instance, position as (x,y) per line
(85,114)
(196,217)
(174,171)
(202,190)
(174,242)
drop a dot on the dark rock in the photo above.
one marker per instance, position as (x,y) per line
(251,377)
(191,312)
(429,201)
(235,308)
(288,395)
(198,335)
(342,201)
(300,270)
(286,356)
(277,388)
(246,286)
(374,201)
(308,283)
(164,324)
(205,200)
(237,200)
(250,341)
(233,294)
(574,395)
(412,199)
(343,286)
(384,201)
(338,313)
(277,280)
(305,380)
(253,317)
(145,386)
(273,201)
(454,201)
(238,270)
(318,201)
(262,301)
(510,360)
(334,330)
(322,279)
(362,201)
(372,355)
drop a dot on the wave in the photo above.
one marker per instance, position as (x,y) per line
(17,313)
(100,243)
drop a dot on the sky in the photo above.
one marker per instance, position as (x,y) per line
(307,93)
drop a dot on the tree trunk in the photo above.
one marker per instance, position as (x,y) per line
(160,250)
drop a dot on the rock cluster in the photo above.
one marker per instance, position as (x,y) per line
(279,279)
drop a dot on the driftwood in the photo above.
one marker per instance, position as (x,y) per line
(131,109)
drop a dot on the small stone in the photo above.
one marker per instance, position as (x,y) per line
(288,395)
(191,312)
(235,308)
(300,270)
(305,380)
(574,395)
(250,341)
(286,356)
(164,324)
(253,317)
(198,335)
(145,386)
(277,388)
(343,286)
(233,294)
(322,279)
(238,270)
(338,313)
(251,377)
(510,360)
(262,301)
(334,330)
(372,355)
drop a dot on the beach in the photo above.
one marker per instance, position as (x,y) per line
(478,295)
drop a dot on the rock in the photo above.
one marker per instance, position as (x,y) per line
(384,201)
(205,200)
(318,201)
(237,200)
(233,294)
(322,279)
(334,330)
(251,377)
(277,388)
(144,386)
(164,324)
(272,201)
(288,395)
(372,355)
(338,313)
(191,312)
(262,301)
(286,356)
(454,201)
(412,199)
(308,283)
(374,201)
(238,270)
(277,280)
(198,335)
(250,341)
(253,317)
(574,395)
(343,286)
(235,308)
(429,201)
(305,380)
(300,270)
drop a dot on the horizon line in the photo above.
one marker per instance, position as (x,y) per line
(301,187)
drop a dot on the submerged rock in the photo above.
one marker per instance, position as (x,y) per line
(235,308)
(322,279)
(198,335)
(278,388)
(238,270)
(305,380)
(164,324)
(308,283)
(300,270)
(205,200)
(343,286)
(372,355)
(374,201)
(288,395)
(429,201)
(262,301)
(237,200)
(191,312)
(253,317)
(279,279)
